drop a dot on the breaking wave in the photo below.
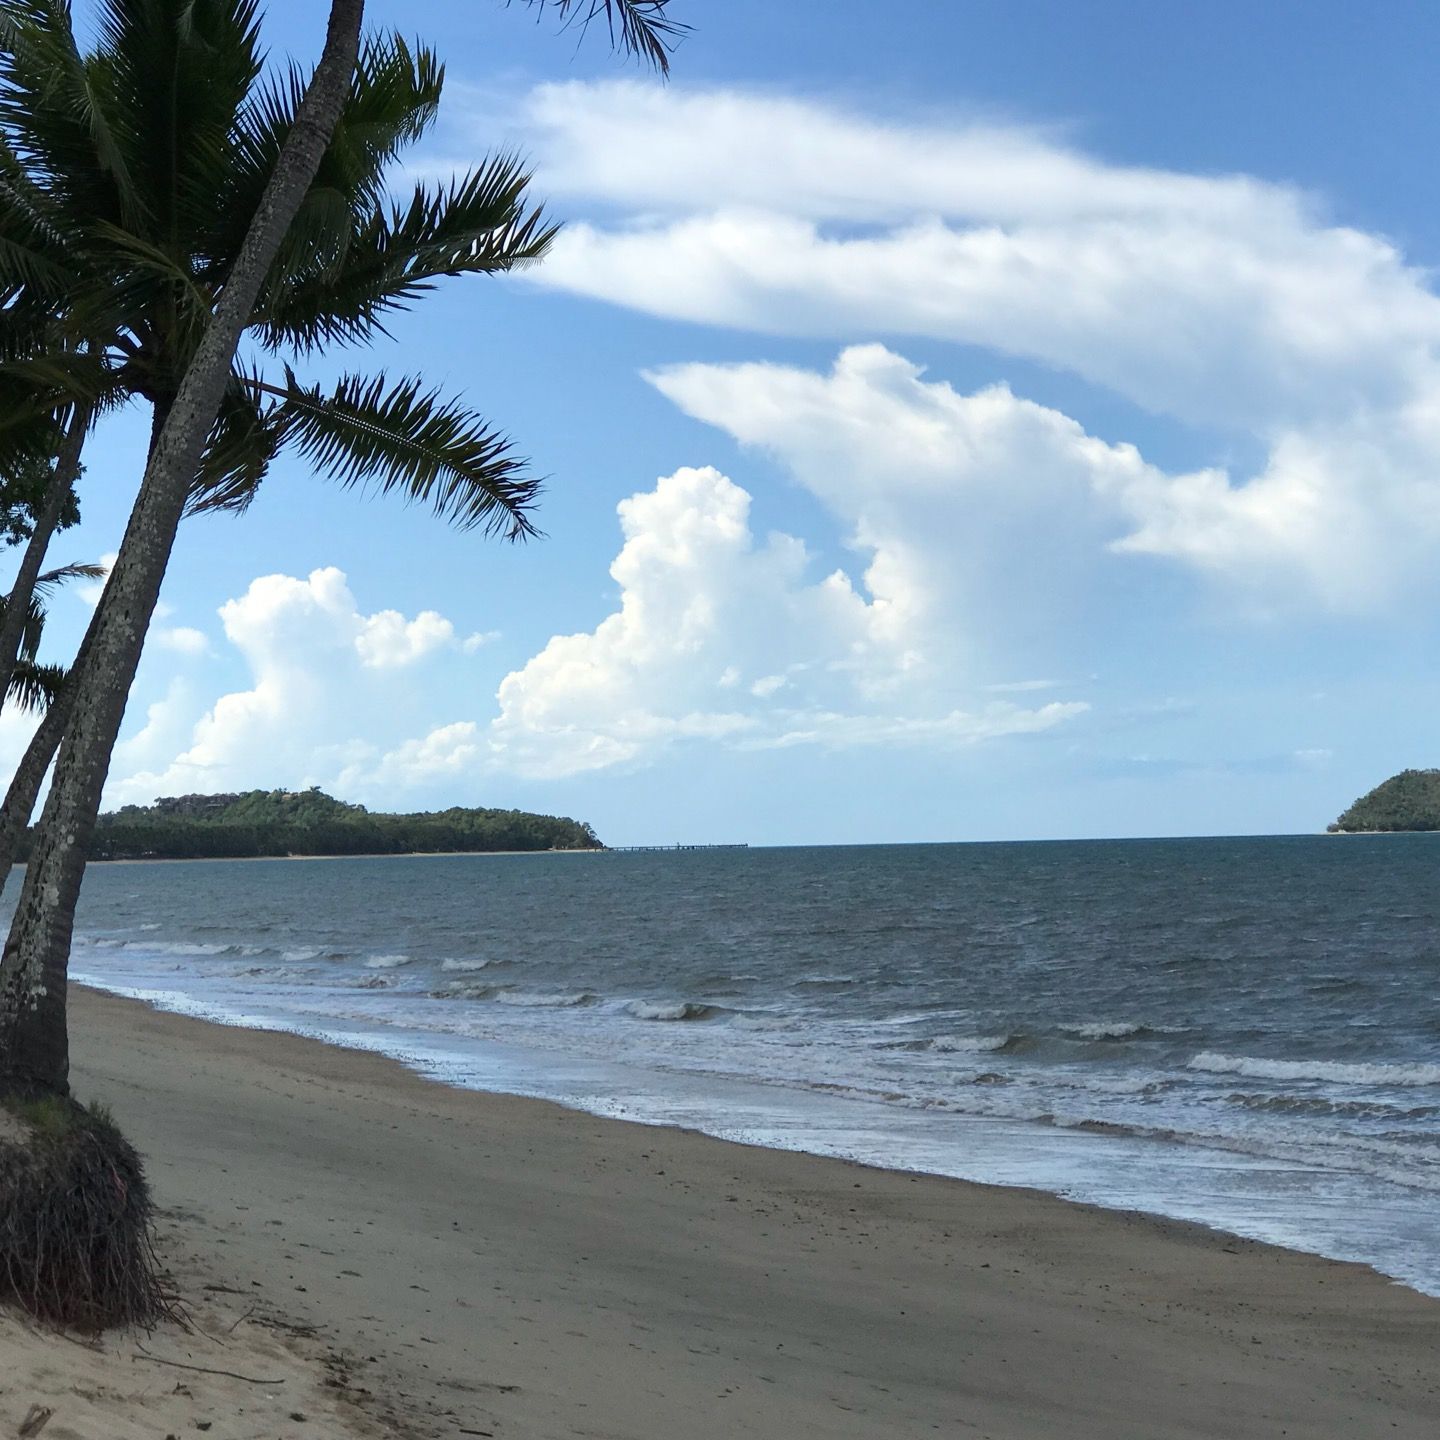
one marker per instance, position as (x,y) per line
(1335,1072)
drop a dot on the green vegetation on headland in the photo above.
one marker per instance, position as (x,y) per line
(308,822)
(1407,801)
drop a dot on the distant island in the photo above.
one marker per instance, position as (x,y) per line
(259,823)
(1407,801)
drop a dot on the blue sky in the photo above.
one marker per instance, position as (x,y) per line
(978,421)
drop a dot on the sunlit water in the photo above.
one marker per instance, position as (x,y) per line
(1240,1032)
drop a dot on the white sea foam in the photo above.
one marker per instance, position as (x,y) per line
(463,967)
(546,1001)
(302,952)
(387,962)
(1336,1072)
(669,1010)
(971,1044)
(1104,1030)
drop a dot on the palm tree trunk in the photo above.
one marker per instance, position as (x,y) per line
(19,802)
(17,603)
(34,1044)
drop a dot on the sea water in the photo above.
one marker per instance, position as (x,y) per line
(1243,1032)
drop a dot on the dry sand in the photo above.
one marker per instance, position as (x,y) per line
(489,1265)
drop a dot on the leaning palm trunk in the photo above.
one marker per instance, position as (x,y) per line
(17,603)
(19,802)
(34,1044)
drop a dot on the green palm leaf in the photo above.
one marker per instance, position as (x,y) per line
(169,78)
(639,27)
(393,100)
(244,441)
(46,582)
(35,687)
(480,224)
(367,432)
(51,110)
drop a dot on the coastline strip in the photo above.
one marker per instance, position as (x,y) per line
(511,1263)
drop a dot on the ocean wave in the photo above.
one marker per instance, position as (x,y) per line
(953,1044)
(181,947)
(672,1010)
(302,952)
(464,967)
(1336,1072)
(545,1000)
(1116,1030)
(458,991)
(969,1044)
(1319,1105)
(388,962)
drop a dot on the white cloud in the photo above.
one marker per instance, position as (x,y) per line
(321,706)
(449,752)
(182,639)
(1219,301)
(479,640)
(388,640)
(960,502)
(724,638)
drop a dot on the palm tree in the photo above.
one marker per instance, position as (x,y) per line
(160,62)
(48,513)
(35,686)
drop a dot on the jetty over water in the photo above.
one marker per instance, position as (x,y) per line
(652,849)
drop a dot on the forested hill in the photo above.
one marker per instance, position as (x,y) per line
(309,822)
(1407,801)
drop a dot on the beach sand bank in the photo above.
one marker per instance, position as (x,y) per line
(490,1265)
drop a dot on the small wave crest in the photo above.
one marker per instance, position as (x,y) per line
(1112,1030)
(387,962)
(565,1000)
(672,1010)
(1318,1105)
(464,967)
(969,1044)
(1335,1072)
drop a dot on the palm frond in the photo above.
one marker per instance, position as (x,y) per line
(480,224)
(35,687)
(243,442)
(81,570)
(367,432)
(170,78)
(54,117)
(642,28)
(42,383)
(393,100)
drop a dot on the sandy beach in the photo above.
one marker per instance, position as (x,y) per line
(402,1258)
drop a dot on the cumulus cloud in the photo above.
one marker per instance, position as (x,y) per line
(1219,301)
(389,640)
(321,708)
(182,639)
(723,637)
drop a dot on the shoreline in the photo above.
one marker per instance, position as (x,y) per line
(364,855)
(989,1156)
(538,1271)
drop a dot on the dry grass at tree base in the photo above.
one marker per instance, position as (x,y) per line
(76,1219)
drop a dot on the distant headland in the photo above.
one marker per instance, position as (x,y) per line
(1407,801)
(272,823)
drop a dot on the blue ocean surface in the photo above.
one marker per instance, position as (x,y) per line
(1242,1032)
